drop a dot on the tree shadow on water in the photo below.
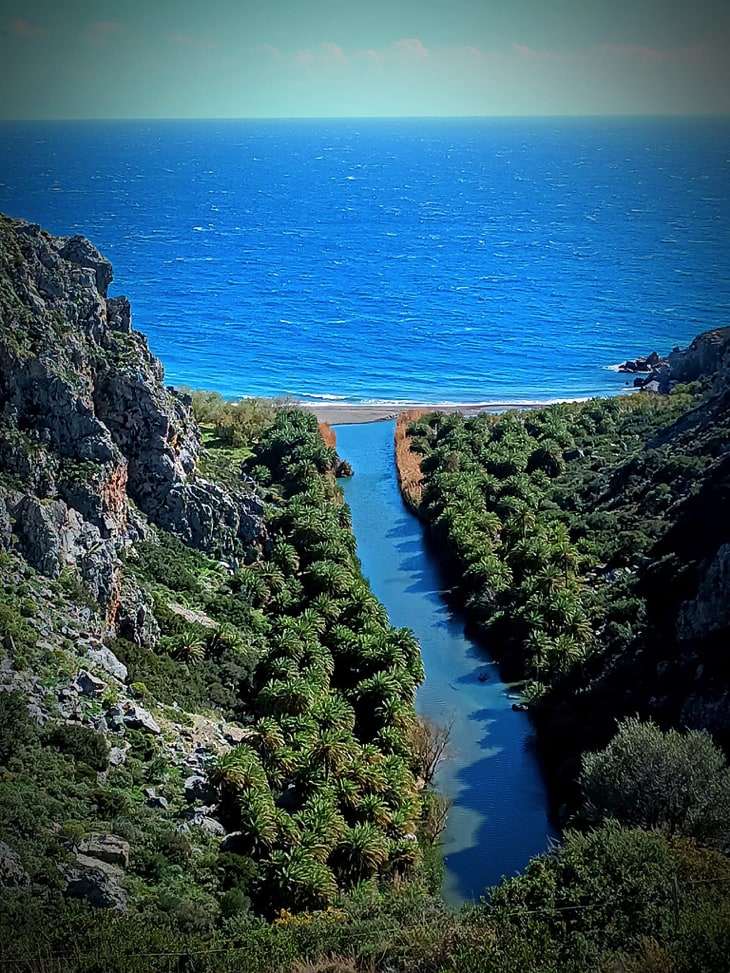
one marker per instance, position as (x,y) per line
(505,788)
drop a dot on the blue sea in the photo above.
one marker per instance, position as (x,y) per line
(425,260)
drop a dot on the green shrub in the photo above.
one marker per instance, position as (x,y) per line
(673,781)
(80,742)
(17,729)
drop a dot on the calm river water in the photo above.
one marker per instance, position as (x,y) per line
(499,819)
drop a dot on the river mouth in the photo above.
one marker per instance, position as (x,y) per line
(499,815)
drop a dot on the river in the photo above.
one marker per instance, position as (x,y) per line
(499,819)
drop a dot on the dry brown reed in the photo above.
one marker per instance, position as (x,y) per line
(328,434)
(408,464)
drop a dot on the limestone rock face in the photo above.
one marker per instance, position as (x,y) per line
(53,536)
(107,848)
(706,613)
(106,660)
(12,873)
(708,353)
(96,881)
(87,424)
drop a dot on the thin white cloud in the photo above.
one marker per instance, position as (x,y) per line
(333,52)
(190,40)
(273,52)
(412,45)
(304,58)
(23,28)
(102,30)
(326,53)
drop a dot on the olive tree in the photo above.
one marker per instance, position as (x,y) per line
(678,782)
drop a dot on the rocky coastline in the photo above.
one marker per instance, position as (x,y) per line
(706,356)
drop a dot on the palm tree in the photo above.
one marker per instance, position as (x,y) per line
(374,808)
(329,577)
(392,740)
(528,556)
(189,646)
(280,668)
(562,551)
(269,734)
(367,771)
(279,765)
(317,662)
(549,579)
(320,819)
(294,878)
(362,851)
(309,624)
(334,749)
(333,548)
(310,528)
(347,792)
(538,646)
(253,586)
(327,607)
(237,769)
(403,819)
(333,712)
(392,711)
(404,853)
(273,575)
(407,642)
(378,688)
(577,625)
(257,821)
(288,833)
(286,556)
(288,639)
(299,729)
(280,697)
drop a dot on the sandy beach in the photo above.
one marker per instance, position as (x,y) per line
(346,415)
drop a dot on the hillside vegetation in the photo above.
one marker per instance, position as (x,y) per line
(589,544)
(209,757)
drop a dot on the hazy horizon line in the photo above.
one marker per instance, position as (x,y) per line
(372,118)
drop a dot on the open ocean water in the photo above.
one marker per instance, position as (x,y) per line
(427,260)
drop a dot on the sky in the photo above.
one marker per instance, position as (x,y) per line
(335,58)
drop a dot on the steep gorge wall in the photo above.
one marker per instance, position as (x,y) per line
(90,436)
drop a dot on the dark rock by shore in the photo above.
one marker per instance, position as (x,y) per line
(706,355)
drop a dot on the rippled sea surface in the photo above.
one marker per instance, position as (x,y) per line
(429,260)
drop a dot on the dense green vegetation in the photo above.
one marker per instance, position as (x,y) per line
(330,863)
(572,535)
(323,791)
(523,507)
(211,761)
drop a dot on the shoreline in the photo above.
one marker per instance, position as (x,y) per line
(351,414)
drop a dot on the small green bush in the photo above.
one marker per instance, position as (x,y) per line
(80,742)
(17,729)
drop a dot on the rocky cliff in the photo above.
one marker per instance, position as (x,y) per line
(93,446)
(677,670)
(707,358)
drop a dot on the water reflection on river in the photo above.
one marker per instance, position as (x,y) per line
(498,820)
